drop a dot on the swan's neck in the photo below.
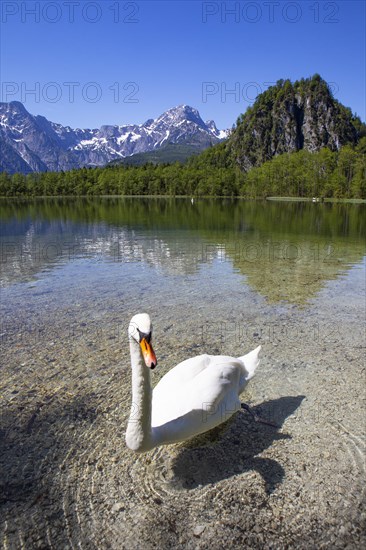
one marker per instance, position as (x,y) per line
(138,435)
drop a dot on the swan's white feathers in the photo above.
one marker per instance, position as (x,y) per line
(208,384)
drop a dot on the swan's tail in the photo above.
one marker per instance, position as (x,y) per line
(251,362)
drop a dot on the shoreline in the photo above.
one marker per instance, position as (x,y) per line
(195,198)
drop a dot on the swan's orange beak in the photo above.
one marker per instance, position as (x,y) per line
(148,354)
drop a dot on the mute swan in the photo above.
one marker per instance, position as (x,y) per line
(193,397)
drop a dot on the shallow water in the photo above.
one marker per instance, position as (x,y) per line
(216,277)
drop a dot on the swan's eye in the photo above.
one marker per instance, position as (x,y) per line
(144,336)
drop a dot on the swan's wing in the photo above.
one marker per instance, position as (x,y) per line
(185,371)
(204,384)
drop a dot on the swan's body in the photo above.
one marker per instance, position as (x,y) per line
(193,397)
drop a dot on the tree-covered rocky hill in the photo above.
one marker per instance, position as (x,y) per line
(289,117)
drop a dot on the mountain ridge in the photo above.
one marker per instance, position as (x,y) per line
(286,118)
(32,143)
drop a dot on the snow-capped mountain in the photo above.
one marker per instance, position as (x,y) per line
(31,143)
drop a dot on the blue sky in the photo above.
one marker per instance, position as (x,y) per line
(88,63)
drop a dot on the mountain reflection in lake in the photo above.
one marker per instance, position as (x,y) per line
(284,251)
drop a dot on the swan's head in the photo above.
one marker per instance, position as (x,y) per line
(140,330)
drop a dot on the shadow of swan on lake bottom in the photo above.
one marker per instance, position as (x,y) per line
(233,448)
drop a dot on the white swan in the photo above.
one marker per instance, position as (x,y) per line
(194,397)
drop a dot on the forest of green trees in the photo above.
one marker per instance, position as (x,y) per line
(324,174)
